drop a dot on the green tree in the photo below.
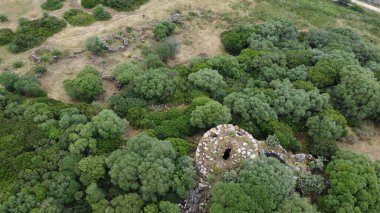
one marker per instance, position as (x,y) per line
(95,45)
(326,72)
(207,79)
(100,14)
(131,202)
(211,114)
(261,187)
(126,72)
(167,207)
(163,29)
(309,184)
(251,105)
(92,169)
(107,124)
(354,186)
(358,94)
(226,65)
(296,204)
(28,85)
(296,104)
(86,86)
(8,80)
(236,39)
(147,165)
(6,36)
(90,3)
(155,84)
(327,126)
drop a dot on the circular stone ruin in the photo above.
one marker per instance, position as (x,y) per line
(223,148)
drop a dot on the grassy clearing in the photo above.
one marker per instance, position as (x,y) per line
(321,14)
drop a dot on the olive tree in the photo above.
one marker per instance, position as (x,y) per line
(354,186)
(86,86)
(207,79)
(155,84)
(211,114)
(358,94)
(107,124)
(148,166)
(261,187)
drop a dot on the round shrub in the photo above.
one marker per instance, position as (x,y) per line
(211,114)
(86,86)
(163,29)
(95,45)
(227,65)
(165,49)
(39,69)
(51,5)
(17,64)
(100,13)
(6,36)
(207,79)
(181,146)
(155,84)
(77,17)
(125,72)
(3,18)
(124,101)
(90,3)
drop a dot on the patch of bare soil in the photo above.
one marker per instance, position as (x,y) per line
(369,146)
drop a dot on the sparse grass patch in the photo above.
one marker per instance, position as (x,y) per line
(78,18)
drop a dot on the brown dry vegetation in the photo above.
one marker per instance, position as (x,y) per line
(369,146)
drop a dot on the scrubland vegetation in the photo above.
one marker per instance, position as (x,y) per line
(301,89)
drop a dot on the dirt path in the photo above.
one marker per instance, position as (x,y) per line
(365,5)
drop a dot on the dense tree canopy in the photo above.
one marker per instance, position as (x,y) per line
(207,79)
(148,166)
(354,184)
(358,94)
(261,186)
(155,84)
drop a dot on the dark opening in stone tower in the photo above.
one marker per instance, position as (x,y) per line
(227,152)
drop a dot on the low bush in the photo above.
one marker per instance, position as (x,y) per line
(283,133)
(39,69)
(124,5)
(163,29)
(3,18)
(165,49)
(125,72)
(90,3)
(95,45)
(6,36)
(100,14)
(17,64)
(124,101)
(86,86)
(77,17)
(181,146)
(33,33)
(51,5)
